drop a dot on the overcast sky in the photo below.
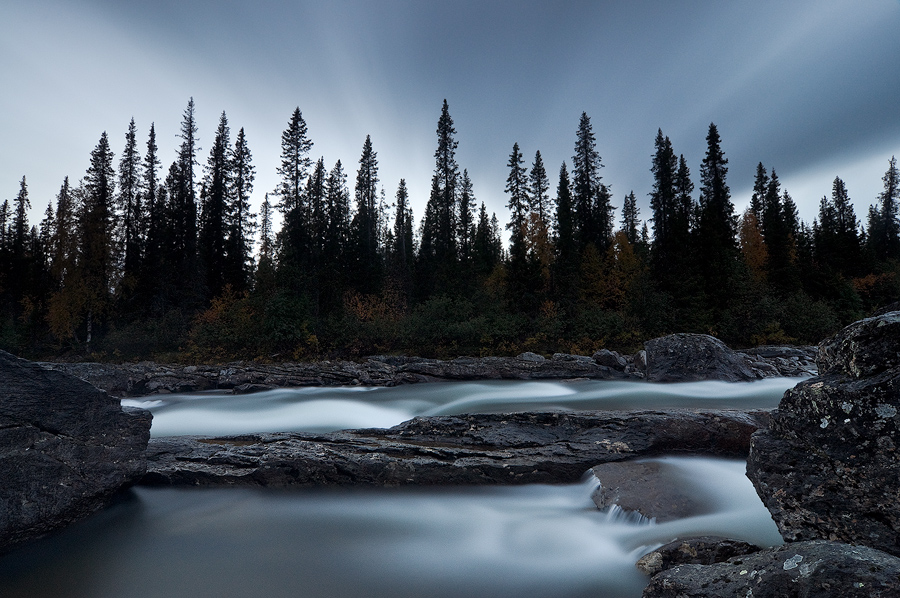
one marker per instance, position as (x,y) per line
(809,87)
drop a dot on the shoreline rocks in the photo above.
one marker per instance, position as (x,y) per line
(516,448)
(65,449)
(659,363)
(829,467)
(814,568)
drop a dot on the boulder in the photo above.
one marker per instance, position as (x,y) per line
(517,448)
(828,466)
(653,489)
(815,569)
(65,449)
(610,359)
(692,357)
(705,550)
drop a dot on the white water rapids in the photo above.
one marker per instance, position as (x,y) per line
(516,542)
(322,409)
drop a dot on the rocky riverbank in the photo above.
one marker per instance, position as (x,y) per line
(673,358)
(828,470)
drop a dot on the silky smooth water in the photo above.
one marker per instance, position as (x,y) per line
(322,409)
(517,542)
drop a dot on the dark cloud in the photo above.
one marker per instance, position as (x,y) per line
(795,85)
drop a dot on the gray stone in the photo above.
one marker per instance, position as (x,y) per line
(655,490)
(610,359)
(828,466)
(65,449)
(816,569)
(692,357)
(449,450)
(705,550)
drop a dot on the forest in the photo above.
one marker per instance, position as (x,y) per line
(133,261)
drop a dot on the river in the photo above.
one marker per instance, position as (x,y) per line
(537,540)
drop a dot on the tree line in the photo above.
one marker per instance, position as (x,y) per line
(134,262)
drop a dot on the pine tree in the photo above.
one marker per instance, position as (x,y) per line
(96,232)
(663,199)
(182,195)
(403,251)
(295,162)
(631,219)
(129,206)
(593,216)
(437,263)
(240,222)
(265,268)
(214,204)
(368,268)
(716,226)
(465,221)
(884,227)
(760,188)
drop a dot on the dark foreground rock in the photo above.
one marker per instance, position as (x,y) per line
(829,467)
(65,448)
(705,550)
(815,569)
(151,378)
(450,450)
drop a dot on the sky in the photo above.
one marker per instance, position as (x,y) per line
(810,88)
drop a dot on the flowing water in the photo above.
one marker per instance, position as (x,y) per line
(537,540)
(322,409)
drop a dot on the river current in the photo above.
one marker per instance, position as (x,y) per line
(527,541)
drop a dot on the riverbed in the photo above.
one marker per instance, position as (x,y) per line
(524,541)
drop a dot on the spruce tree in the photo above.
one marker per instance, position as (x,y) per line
(884,227)
(295,162)
(368,269)
(663,204)
(403,251)
(214,204)
(97,241)
(586,178)
(717,224)
(465,221)
(129,206)
(240,222)
(631,219)
(438,255)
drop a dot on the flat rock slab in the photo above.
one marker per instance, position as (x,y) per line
(815,569)
(450,450)
(65,448)
(655,490)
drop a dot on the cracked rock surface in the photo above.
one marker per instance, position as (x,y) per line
(515,448)
(65,449)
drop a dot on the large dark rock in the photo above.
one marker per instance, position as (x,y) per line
(450,450)
(704,550)
(692,357)
(816,569)
(828,467)
(65,448)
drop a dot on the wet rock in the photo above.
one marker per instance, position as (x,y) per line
(449,450)
(529,356)
(816,569)
(691,357)
(610,359)
(65,449)
(655,490)
(828,467)
(705,550)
